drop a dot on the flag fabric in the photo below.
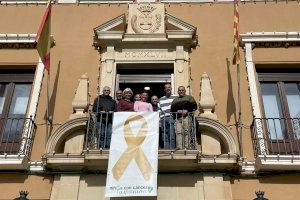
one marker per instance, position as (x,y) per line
(133,155)
(43,37)
(236,37)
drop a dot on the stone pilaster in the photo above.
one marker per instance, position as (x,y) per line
(108,69)
(181,71)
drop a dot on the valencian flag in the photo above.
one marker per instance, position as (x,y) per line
(43,38)
(236,53)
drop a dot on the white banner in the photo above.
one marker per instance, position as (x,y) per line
(132,165)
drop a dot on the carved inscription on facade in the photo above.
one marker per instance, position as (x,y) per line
(144,55)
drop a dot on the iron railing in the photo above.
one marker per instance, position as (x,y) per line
(276,136)
(16,135)
(99,128)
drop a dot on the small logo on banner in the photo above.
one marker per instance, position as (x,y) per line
(134,150)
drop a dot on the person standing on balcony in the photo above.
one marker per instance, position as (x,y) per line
(142,105)
(167,135)
(119,95)
(183,106)
(126,105)
(137,97)
(104,106)
(154,103)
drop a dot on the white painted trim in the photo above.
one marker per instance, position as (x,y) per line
(270,37)
(26,142)
(22,2)
(249,39)
(252,81)
(36,166)
(32,107)
(248,167)
(67,1)
(36,89)
(17,38)
(104,1)
(13,162)
(278,162)
(14,2)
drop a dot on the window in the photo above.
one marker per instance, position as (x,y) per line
(280,94)
(15,92)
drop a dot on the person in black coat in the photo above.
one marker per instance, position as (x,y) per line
(103,107)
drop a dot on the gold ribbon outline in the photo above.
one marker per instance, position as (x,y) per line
(134,150)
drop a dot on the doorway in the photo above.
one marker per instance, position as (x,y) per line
(139,76)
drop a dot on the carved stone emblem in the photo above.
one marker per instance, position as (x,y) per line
(146,21)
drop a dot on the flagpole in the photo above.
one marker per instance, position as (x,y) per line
(43,45)
(236,61)
(47,109)
(239,123)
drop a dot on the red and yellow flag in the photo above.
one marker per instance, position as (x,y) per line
(236,37)
(43,37)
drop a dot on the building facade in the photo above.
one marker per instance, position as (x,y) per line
(137,44)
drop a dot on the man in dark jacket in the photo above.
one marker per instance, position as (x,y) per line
(184,106)
(103,107)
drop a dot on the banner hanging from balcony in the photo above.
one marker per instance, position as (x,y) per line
(132,165)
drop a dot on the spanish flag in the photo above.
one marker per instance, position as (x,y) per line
(43,37)
(236,36)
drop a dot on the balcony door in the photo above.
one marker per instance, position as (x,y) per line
(14,97)
(281,103)
(139,76)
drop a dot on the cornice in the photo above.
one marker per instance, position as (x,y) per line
(271,39)
(19,41)
(277,162)
(14,162)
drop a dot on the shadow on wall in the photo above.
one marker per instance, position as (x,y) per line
(164,181)
(10,178)
(53,97)
(231,107)
(281,179)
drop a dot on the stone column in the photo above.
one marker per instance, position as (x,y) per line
(215,187)
(65,187)
(181,71)
(108,70)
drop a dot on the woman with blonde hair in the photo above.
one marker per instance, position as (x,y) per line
(142,105)
(125,104)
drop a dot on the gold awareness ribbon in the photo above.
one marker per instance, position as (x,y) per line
(134,150)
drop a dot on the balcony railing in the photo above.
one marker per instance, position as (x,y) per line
(99,128)
(15,137)
(276,136)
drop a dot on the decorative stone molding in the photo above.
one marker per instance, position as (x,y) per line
(207,101)
(221,131)
(119,44)
(277,162)
(14,162)
(19,41)
(65,130)
(146,18)
(81,102)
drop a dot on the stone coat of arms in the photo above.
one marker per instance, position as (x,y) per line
(146,21)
